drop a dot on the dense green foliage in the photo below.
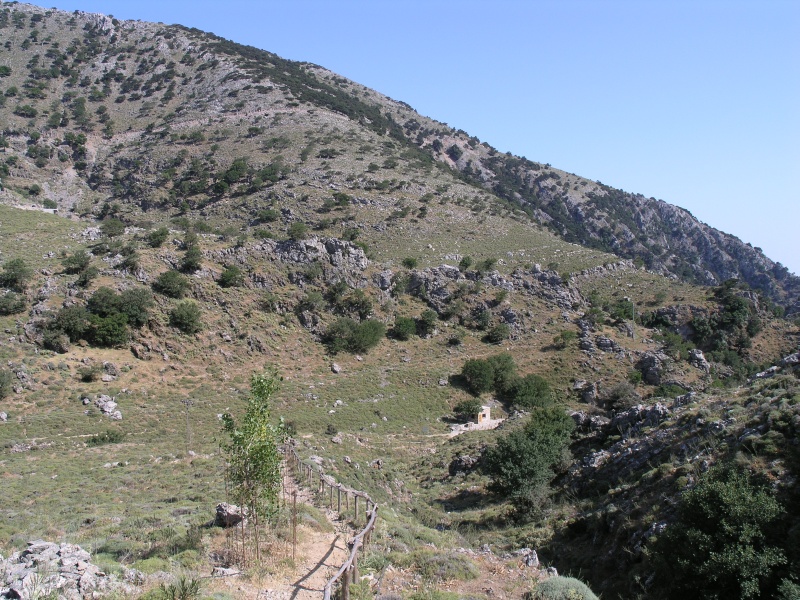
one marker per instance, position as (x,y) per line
(186,317)
(172,284)
(231,277)
(403,328)
(16,275)
(531,391)
(157,237)
(345,334)
(521,464)
(727,542)
(77,262)
(11,304)
(479,375)
(5,383)
(467,409)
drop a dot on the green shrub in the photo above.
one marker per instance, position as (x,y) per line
(135,303)
(404,328)
(192,259)
(6,379)
(479,375)
(157,237)
(172,284)
(86,276)
(110,331)
(76,263)
(505,372)
(345,334)
(561,588)
(16,275)
(112,228)
(521,464)
(104,302)
(725,543)
(531,391)
(11,304)
(186,317)
(73,321)
(563,339)
(465,263)
(498,334)
(231,277)
(467,409)
(297,231)
(426,324)
(410,262)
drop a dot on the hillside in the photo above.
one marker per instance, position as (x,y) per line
(166,111)
(220,210)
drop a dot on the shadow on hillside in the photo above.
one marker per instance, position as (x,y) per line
(465,500)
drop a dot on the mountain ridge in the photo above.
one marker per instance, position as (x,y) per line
(664,238)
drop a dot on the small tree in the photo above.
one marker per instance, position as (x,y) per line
(404,328)
(479,375)
(426,324)
(531,391)
(297,231)
(186,317)
(172,284)
(11,303)
(157,237)
(498,334)
(5,383)
(16,275)
(231,277)
(251,452)
(112,228)
(192,259)
(76,263)
(467,409)
(521,464)
(725,543)
(136,304)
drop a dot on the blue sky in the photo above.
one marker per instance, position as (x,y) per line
(693,102)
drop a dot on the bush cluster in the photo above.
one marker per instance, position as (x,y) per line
(346,334)
(521,465)
(498,373)
(103,322)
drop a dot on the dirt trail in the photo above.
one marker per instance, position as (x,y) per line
(318,556)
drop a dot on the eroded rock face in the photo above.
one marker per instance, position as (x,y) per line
(697,359)
(652,366)
(463,464)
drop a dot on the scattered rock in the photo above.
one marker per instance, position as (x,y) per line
(228,515)
(3,416)
(463,464)
(108,407)
(651,366)
(336,368)
(46,569)
(697,359)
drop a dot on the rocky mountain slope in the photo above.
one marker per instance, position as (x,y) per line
(154,117)
(220,209)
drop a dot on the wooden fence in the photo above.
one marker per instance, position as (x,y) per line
(325,486)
